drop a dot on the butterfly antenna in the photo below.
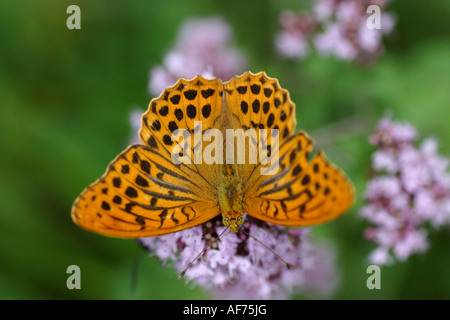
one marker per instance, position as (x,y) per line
(288,265)
(208,246)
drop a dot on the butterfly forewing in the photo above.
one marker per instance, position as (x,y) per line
(193,106)
(144,192)
(258,105)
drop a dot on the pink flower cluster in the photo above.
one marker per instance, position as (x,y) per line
(238,267)
(203,47)
(334,28)
(410,190)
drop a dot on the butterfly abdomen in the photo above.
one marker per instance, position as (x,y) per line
(230,199)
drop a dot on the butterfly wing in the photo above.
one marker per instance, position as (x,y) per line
(144,192)
(257,103)
(296,192)
(301,193)
(194,106)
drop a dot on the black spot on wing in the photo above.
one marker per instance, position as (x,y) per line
(153,107)
(135,157)
(167,140)
(297,170)
(145,166)
(152,142)
(175,99)
(244,107)
(131,192)
(191,111)
(106,206)
(173,126)
(164,111)
(277,102)
(266,107)
(125,169)
(206,110)
(117,182)
(140,220)
(190,94)
(256,105)
(141,181)
(178,114)
(268,92)
(316,168)
(156,125)
(270,120)
(306,179)
(242,89)
(255,88)
(207,93)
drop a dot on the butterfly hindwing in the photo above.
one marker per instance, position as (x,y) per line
(302,192)
(142,194)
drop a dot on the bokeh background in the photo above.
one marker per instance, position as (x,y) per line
(65,100)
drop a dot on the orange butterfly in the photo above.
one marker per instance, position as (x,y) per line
(144,192)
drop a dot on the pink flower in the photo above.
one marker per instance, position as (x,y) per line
(413,241)
(203,47)
(388,134)
(334,42)
(335,28)
(384,160)
(410,187)
(291,45)
(292,41)
(380,256)
(239,267)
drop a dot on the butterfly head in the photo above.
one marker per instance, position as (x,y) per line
(233,220)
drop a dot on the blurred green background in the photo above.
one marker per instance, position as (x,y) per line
(65,99)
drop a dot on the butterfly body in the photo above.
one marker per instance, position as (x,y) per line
(144,192)
(230,199)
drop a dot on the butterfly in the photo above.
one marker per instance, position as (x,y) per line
(148,191)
